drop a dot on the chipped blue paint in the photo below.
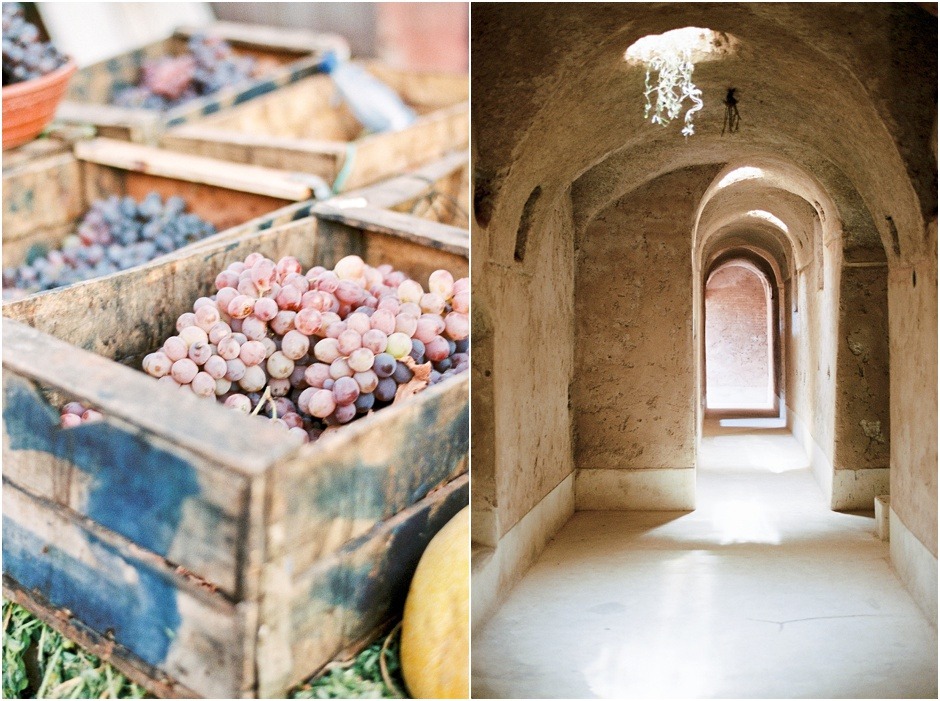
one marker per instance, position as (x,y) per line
(379,585)
(118,594)
(136,489)
(423,459)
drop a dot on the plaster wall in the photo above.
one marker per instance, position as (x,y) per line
(525,451)
(913,323)
(633,396)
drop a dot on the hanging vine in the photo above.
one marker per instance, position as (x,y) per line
(670,87)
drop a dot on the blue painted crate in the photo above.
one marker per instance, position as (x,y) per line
(189,544)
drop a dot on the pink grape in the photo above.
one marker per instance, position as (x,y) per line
(441,282)
(345,390)
(316,374)
(282,322)
(157,364)
(299,433)
(340,368)
(295,344)
(228,348)
(367,381)
(193,334)
(429,326)
(406,324)
(308,321)
(184,370)
(92,415)
(236,370)
(227,278)
(345,413)
(218,331)
(296,378)
(280,366)
(410,291)
(335,329)
(270,346)
(432,303)
(265,309)
(348,292)
(296,280)
(348,341)
(70,420)
(222,386)
(349,268)
(410,308)
(461,302)
(360,359)
(326,350)
(358,322)
(389,303)
(321,403)
(199,352)
(254,328)
(292,419)
(216,367)
(280,387)
(457,326)
(383,320)
(254,379)
(76,408)
(207,316)
(462,285)
(289,298)
(184,320)
(375,341)
(437,349)
(252,353)
(203,385)
(175,348)
(239,402)
(241,306)
(288,265)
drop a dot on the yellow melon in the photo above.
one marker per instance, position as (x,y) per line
(435,632)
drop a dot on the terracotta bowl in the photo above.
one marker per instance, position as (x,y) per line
(29,106)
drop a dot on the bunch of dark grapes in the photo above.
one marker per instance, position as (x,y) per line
(167,82)
(117,233)
(25,57)
(316,349)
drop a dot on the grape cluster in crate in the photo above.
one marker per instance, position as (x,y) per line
(117,233)
(313,350)
(25,56)
(169,81)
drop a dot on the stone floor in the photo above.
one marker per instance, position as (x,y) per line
(762,592)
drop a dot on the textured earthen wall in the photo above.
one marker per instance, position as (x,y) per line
(736,335)
(633,397)
(913,320)
(525,450)
(862,414)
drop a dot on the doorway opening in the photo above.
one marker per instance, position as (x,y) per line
(740,348)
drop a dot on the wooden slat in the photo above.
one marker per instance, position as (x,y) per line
(146,159)
(301,41)
(309,616)
(427,233)
(341,486)
(155,618)
(43,193)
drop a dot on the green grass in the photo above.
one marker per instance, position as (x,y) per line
(39,663)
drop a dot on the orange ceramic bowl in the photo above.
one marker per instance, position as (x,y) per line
(29,106)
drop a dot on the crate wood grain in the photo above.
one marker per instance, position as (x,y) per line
(284,57)
(302,127)
(61,189)
(42,184)
(189,544)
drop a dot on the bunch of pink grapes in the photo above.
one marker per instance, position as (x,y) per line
(75,414)
(315,349)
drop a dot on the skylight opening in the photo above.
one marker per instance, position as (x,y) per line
(739,174)
(670,59)
(768,217)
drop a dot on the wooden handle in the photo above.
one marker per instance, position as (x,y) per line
(197,169)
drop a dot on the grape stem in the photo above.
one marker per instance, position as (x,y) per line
(266,398)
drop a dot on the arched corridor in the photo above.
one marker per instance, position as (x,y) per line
(596,237)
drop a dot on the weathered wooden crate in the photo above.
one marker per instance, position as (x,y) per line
(302,127)
(284,56)
(192,546)
(42,184)
(44,201)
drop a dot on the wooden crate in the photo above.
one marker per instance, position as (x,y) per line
(190,545)
(42,184)
(284,57)
(62,188)
(302,127)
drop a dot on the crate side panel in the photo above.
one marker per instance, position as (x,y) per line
(43,194)
(192,636)
(309,618)
(340,487)
(133,483)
